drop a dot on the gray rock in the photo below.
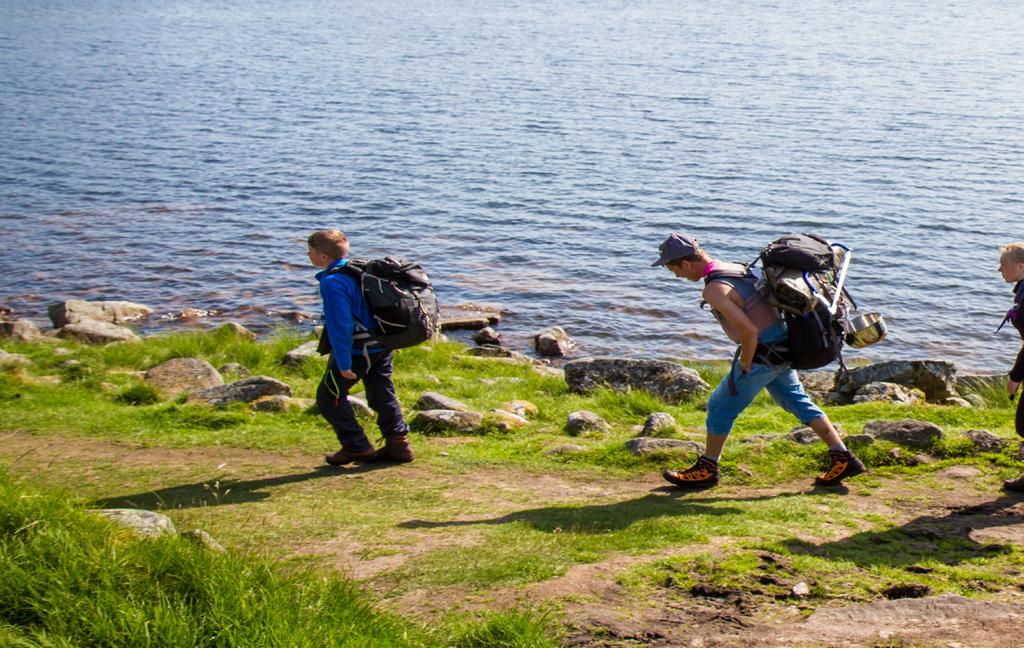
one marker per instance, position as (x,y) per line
(22,330)
(859,440)
(551,372)
(803,435)
(961,472)
(95,332)
(487,335)
(669,381)
(436,401)
(497,353)
(523,408)
(183,375)
(277,403)
(298,356)
(243,391)
(800,590)
(238,330)
(645,445)
(659,422)
(985,441)
(505,420)
(553,341)
(13,360)
(908,432)
(360,406)
(818,382)
(112,312)
(919,460)
(144,523)
(887,392)
(937,379)
(235,369)
(585,421)
(202,537)
(564,449)
(956,401)
(447,422)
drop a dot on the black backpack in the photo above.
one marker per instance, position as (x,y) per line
(800,274)
(794,270)
(401,302)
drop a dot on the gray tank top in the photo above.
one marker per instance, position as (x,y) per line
(770,327)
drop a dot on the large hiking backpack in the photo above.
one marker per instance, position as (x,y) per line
(400,298)
(801,277)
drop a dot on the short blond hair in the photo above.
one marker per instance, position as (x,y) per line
(333,243)
(1012,251)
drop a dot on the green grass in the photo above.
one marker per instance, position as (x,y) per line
(71,578)
(453,534)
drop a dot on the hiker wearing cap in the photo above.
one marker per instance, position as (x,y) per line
(749,320)
(1011,266)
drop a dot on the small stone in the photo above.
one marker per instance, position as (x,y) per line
(800,590)
(23,330)
(641,446)
(586,421)
(916,434)
(746,471)
(441,421)
(234,328)
(94,332)
(183,376)
(659,423)
(985,441)
(919,460)
(435,401)
(506,420)
(360,406)
(895,453)
(523,408)
(245,390)
(487,335)
(433,379)
(802,435)
(956,401)
(202,537)
(277,403)
(144,523)
(443,454)
(301,353)
(564,449)
(113,312)
(553,341)
(234,369)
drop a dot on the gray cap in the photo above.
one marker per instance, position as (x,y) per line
(676,246)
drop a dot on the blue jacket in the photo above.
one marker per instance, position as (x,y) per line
(344,309)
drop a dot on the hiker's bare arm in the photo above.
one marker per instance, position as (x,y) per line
(728,303)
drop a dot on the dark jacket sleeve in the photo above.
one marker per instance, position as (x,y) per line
(1017,373)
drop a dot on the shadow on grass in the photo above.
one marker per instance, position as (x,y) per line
(943,538)
(217,492)
(596,518)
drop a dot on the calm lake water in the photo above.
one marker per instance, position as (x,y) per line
(531,154)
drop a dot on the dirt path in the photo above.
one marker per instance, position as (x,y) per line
(600,612)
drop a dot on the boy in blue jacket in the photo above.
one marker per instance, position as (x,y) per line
(354,357)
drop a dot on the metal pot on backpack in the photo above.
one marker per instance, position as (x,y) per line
(865,329)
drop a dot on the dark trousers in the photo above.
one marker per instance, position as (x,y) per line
(332,399)
(1020,413)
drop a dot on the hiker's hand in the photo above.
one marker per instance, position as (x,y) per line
(745,367)
(1011,388)
(347,374)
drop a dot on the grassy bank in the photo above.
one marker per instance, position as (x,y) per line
(493,520)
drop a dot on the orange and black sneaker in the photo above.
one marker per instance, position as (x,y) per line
(703,474)
(842,464)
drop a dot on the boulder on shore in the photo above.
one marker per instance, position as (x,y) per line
(887,392)
(297,356)
(937,379)
(446,422)
(585,421)
(23,330)
(243,391)
(96,332)
(183,375)
(113,312)
(435,401)
(553,341)
(670,381)
(644,445)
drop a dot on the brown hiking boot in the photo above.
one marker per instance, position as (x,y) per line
(1014,485)
(702,474)
(842,464)
(396,449)
(343,456)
